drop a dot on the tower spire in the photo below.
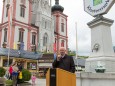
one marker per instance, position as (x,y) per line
(57,7)
(56,1)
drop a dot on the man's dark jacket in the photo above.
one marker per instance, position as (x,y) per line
(65,63)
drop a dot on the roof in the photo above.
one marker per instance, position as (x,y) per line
(20,53)
(47,57)
(57,7)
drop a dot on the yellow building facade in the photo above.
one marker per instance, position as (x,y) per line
(28,60)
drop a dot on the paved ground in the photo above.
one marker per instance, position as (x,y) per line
(39,82)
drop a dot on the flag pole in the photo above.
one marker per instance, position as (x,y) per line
(10,29)
(52,48)
(76,45)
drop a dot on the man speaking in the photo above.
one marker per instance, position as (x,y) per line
(63,61)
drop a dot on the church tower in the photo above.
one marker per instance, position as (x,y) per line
(42,18)
(60,26)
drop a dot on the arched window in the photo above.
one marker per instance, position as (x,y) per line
(33,38)
(7,8)
(5,35)
(62,25)
(45,39)
(21,34)
(22,11)
(22,8)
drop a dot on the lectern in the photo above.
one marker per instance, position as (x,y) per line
(60,77)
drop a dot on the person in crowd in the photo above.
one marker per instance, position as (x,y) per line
(63,61)
(19,78)
(14,73)
(33,79)
(10,71)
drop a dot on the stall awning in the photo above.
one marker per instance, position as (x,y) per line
(45,65)
(20,53)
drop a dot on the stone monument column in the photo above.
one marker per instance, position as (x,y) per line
(101,45)
(102,58)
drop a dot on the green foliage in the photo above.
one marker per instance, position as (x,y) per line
(26,75)
(2,71)
(84,57)
(71,54)
(9,82)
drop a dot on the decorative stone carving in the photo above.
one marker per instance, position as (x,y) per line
(100,67)
(96,47)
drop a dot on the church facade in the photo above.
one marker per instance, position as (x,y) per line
(33,26)
(37,24)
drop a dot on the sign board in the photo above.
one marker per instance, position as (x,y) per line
(97,7)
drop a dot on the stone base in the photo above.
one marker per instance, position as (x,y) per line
(91,64)
(95,79)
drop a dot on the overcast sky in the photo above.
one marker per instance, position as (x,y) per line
(75,11)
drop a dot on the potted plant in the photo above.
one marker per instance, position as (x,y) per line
(2,73)
(8,83)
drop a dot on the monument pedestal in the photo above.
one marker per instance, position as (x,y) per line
(109,64)
(102,56)
(101,45)
(95,79)
(100,66)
